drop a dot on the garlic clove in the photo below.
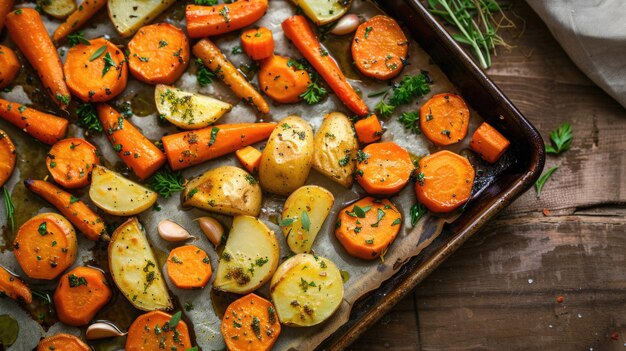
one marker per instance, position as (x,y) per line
(212,229)
(346,24)
(171,231)
(101,330)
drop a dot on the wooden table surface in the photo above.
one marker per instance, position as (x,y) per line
(500,290)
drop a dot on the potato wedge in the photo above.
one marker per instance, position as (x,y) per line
(117,195)
(335,148)
(188,110)
(58,8)
(129,15)
(323,12)
(306,290)
(286,159)
(227,189)
(134,268)
(250,256)
(304,213)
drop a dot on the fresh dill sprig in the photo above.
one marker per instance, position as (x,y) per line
(167,182)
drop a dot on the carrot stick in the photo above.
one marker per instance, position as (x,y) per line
(215,60)
(367,227)
(250,323)
(488,143)
(298,30)
(154,331)
(7,157)
(258,43)
(250,158)
(29,34)
(80,294)
(9,66)
(86,10)
(383,168)
(42,126)
(444,182)
(189,267)
(281,82)
(13,287)
(368,130)
(45,246)
(444,119)
(137,152)
(206,21)
(62,342)
(190,148)
(70,162)
(71,207)
(5,8)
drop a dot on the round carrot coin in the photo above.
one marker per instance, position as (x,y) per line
(258,43)
(80,294)
(62,342)
(45,246)
(158,54)
(444,119)
(189,267)
(250,324)
(383,168)
(281,82)
(7,157)
(444,181)
(70,162)
(9,66)
(153,331)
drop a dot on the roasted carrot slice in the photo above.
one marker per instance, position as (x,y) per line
(62,342)
(157,330)
(250,158)
(367,227)
(9,65)
(45,246)
(80,294)
(444,181)
(5,8)
(258,43)
(86,10)
(13,287)
(215,60)
(379,48)
(71,207)
(29,34)
(250,323)
(7,157)
(189,267)
(281,82)
(444,119)
(44,127)
(488,143)
(298,30)
(158,54)
(190,148)
(70,162)
(137,152)
(368,130)
(206,21)
(383,168)
(96,72)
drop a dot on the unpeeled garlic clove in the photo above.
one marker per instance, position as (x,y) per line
(346,24)
(172,231)
(212,229)
(101,330)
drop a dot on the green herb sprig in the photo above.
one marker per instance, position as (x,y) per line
(10,208)
(543,179)
(88,118)
(203,74)
(167,182)
(560,139)
(417,212)
(409,88)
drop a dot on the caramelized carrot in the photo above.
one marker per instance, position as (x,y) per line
(29,34)
(258,43)
(13,287)
(9,66)
(215,60)
(206,21)
(250,158)
(71,207)
(189,267)
(86,10)
(42,126)
(298,30)
(96,72)
(158,54)
(444,119)
(190,148)
(367,227)
(5,8)
(70,162)
(137,152)
(368,130)
(383,168)
(444,181)
(62,342)
(7,157)
(488,143)
(379,48)
(250,323)
(281,82)
(45,246)
(80,294)
(156,330)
